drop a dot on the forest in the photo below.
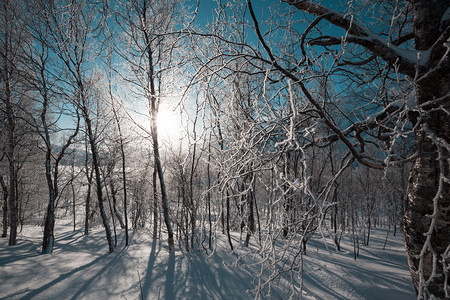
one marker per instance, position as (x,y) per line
(265,127)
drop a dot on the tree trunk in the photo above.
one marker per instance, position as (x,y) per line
(250,211)
(164,202)
(154,131)
(111,211)
(73,204)
(114,205)
(12,201)
(428,202)
(193,210)
(155,205)
(98,180)
(228,219)
(427,219)
(8,56)
(4,207)
(125,201)
(208,196)
(158,166)
(124,174)
(49,238)
(89,176)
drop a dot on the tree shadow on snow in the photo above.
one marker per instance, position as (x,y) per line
(192,275)
(113,267)
(60,278)
(374,275)
(150,266)
(169,290)
(27,249)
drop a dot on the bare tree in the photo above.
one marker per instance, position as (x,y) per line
(150,57)
(425,65)
(50,94)
(10,44)
(4,207)
(396,92)
(122,154)
(70,36)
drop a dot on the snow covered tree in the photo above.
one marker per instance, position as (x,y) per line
(48,91)
(411,37)
(147,28)
(68,32)
(11,39)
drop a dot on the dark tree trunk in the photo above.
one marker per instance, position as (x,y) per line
(164,202)
(427,221)
(89,176)
(155,205)
(8,53)
(111,211)
(222,216)
(250,220)
(49,238)
(193,210)
(287,198)
(228,219)
(4,207)
(74,198)
(124,173)
(114,198)
(12,201)
(208,197)
(125,200)
(98,180)
(250,210)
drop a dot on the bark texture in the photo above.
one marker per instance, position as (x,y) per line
(427,220)
(8,54)
(4,207)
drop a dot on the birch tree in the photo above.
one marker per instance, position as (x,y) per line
(48,91)
(11,41)
(71,27)
(147,27)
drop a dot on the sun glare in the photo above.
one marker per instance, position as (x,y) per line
(169,125)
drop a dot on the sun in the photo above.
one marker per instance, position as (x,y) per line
(169,124)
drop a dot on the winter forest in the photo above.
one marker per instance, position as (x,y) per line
(225,149)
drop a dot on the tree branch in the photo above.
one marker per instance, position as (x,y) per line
(358,34)
(360,157)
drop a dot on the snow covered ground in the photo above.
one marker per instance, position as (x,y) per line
(81,268)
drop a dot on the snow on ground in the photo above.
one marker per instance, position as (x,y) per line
(376,274)
(81,268)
